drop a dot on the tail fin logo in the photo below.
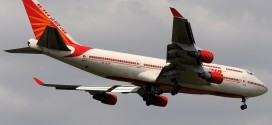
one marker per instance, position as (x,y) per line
(40,19)
(55,22)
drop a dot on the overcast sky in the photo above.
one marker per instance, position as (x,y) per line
(238,32)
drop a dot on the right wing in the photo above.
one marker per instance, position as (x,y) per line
(182,32)
(92,90)
(103,94)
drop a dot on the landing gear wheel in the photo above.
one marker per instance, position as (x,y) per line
(148,103)
(159,93)
(243,107)
(149,99)
(144,98)
(174,92)
(149,94)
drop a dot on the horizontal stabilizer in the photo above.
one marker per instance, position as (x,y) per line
(25,50)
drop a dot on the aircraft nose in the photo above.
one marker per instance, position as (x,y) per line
(264,89)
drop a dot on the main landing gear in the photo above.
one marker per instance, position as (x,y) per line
(244,106)
(176,87)
(175,90)
(149,95)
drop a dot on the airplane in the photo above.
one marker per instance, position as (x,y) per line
(186,69)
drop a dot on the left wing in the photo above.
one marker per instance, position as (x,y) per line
(93,90)
(103,94)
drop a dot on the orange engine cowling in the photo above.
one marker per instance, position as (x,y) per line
(106,98)
(206,56)
(216,77)
(160,100)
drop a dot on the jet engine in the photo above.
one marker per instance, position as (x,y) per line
(214,77)
(203,56)
(106,98)
(206,56)
(160,100)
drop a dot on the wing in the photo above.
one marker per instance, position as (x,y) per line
(185,59)
(92,90)
(102,94)
(182,32)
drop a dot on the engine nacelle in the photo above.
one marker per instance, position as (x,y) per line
(203,56)
(160,100)
(214,77)
(206,56)
(106,98)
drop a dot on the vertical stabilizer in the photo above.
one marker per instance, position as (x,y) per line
(39,19)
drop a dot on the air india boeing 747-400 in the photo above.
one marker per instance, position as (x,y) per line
(186,69)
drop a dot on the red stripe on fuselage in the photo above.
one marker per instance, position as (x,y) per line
(102,60)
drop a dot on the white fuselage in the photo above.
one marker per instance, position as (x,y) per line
(141,70)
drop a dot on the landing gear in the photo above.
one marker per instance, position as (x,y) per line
(176,87)
(149,94)
(244,106)
(149,101)
(175,90)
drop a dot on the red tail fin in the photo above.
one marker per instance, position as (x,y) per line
(40,19)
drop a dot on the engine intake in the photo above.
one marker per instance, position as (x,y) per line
(106,98)
(214,77)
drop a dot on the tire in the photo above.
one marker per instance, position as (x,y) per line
(148,103)
(243,107)
(174,92)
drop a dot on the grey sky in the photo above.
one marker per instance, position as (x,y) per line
(238,32)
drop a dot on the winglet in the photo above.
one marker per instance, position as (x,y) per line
(176,13)
(38,81)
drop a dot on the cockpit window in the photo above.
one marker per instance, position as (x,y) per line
(249,72)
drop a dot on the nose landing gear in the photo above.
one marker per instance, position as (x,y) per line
(244,106)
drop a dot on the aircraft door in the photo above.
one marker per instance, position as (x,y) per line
(244,80)
(84,61)
(139,63)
